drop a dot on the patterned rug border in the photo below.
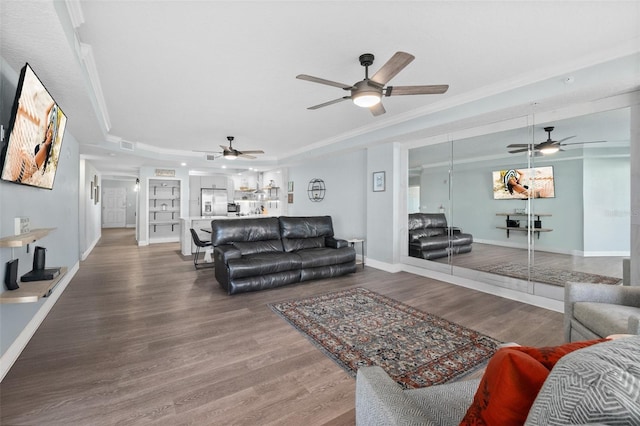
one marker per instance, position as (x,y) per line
(546,275)
(469,372)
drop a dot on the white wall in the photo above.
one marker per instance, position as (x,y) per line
(382,213)
(345,193)
(607,207)
(91,231)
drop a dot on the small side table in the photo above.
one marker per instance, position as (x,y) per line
(353,242)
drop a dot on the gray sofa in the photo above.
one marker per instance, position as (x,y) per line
(592,311)
(597,384)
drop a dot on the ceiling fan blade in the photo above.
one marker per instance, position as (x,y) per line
(335,101)
(515,151)
(323,81)
(255,151)
(377,109)
(224,148)
(565,139)
(392,67)
(580,143)
(436,89)
(242,154)
(518,145)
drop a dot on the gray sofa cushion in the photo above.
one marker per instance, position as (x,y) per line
(600,383)
(604,319)
(381,401)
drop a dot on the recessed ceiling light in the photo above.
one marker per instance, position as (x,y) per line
(183,164)
(224,167)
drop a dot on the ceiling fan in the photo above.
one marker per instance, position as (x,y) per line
(547,147)
(230,153)
(367,93)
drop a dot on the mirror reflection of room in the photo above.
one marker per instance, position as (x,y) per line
(530,216)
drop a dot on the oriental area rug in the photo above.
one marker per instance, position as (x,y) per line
(358,327)
(546,275)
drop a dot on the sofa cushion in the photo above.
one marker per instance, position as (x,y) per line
(255,247)
(598,384)
(312,258)
(604,319)
(416,234)
(225,231)
(306,227)
(427,220)
(263,264)
(294,244)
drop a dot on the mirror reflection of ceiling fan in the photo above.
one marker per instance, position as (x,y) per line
(367,93)
(547,147)
(230,153)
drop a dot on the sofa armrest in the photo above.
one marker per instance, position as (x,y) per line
(225,252)
(335,242)
(381,401)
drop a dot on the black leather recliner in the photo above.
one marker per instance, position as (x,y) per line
(431,238)
(259,253)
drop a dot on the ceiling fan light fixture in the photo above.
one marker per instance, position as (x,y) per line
(366,99)
(549,150)
(230,155)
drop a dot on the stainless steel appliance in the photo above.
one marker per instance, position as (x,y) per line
(213,202)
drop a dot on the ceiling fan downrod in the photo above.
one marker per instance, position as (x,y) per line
(366,59)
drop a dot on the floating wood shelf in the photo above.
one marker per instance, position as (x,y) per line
(26,238)
(32,291)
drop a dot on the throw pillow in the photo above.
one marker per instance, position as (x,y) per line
(512,381)
(507,389)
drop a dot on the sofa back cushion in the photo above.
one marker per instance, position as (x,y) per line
(306,227)
(257,247)
(427,220)
(416,234)
(600,383)
(224,231)
(294,244)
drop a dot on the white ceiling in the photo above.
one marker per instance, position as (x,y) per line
(178,76)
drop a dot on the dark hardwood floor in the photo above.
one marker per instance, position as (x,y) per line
(140,337)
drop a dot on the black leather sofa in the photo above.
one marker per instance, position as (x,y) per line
(260,253)
(431,238)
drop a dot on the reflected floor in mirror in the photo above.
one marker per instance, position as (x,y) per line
(487,254)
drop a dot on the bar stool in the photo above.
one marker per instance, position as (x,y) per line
(199,245)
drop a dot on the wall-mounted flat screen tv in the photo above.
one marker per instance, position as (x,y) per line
(536,182)
(35,134)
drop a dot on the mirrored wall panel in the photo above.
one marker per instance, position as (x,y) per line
(528,209)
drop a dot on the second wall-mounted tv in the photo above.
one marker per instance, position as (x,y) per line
(35,134)
(519,184)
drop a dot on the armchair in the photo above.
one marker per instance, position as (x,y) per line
(593,311)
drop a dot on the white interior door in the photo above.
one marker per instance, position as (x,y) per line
(114,207)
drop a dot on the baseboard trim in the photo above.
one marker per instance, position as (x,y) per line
(90,248)
(530,299)
(384,266)
(11,355)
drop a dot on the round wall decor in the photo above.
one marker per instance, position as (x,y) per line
(316,190)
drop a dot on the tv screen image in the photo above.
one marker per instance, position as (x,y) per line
(35,134)
(520,184)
